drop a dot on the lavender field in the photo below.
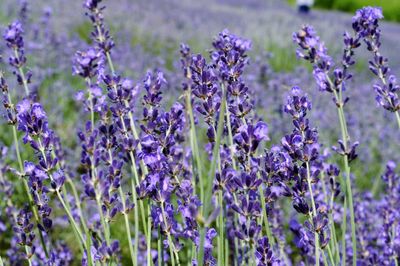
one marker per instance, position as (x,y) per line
(215,132)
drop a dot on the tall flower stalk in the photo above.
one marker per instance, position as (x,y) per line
(366,26)
(14,39)
(313,50)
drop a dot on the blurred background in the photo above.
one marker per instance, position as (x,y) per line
(148,33)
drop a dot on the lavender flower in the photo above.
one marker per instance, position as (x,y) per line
(365,24)
(14,40)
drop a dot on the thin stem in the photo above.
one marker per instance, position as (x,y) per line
(81,245)
(344,232)
(221,230)
(226,251)
(330,255)
(172,250)
(28,256)
(22,73)
(27,252)
(349,194)
(102,219)
(194,143)
(143,167)
(398,118)
(159,249)
(90,99)
(264,217)
(333,229)
(148,236)
(82,218)
(135,182)
(314,211)
(65,206)
(228,122)
(325,260)
(70,217)
(26,186)
(133,251)
(208,191)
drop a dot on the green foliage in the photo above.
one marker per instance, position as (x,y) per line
(283,59)
(391,8)
(83,31)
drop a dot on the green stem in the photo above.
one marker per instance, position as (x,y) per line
(330,253)
(208,191)
(28,258)
(172,250)
(331,244)
(352,216)
(21,168)
(135,182)
(143,167)
(65,206)
(103,221)
(22,74)
(349,194)
(133,252)
(333,229)
(221,257)
(398,118)
(148,236)
(81,245)
(228,122)
(82,218)
(264,217)
(344,223)
(314,211)
(159,248)
(226,252)
(70,217)
(194,143)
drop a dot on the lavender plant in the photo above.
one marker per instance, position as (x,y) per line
(192,165)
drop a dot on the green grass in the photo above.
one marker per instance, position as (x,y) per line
(283,58)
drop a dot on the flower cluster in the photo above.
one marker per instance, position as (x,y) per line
(201,179)
(365,24)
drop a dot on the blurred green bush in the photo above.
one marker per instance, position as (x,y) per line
(391,8)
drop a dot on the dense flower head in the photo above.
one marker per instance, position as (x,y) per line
(13,35)
(365,21)
(100,34)
(226,41)
(186,59)
(91,4)
(298,104)
(32,120)
(152,85)
(230,55)
(250,136)
(311,48)
(264,253)
(85,63)
(365,24)
(206,89)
